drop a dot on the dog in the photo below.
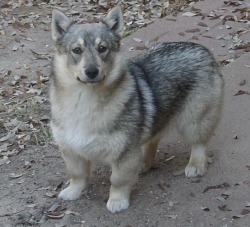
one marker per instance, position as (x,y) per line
(115,111)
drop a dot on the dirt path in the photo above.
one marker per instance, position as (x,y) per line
(32,171)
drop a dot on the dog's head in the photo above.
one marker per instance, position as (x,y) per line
(87,52)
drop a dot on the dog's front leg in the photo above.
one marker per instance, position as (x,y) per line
(124,175)
(79,170)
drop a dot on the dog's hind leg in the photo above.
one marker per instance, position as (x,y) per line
(124,175)
(149,151)
(197,125)
(79,170)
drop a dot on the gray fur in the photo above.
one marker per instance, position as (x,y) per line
(119,116)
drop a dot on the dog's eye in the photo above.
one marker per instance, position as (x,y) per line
(102,49)
(77,50)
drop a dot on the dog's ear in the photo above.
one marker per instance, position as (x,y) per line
(60,24)
(114,20)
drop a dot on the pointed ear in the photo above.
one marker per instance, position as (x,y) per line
(59,25)
(114,20)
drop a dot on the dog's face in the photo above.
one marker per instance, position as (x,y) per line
(87,50)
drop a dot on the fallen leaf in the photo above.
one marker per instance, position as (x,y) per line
(172,216)
(245,211)
(243,82)
(227,193)
(54,207)
(169,159)
(137,40)
(241,92)
(202,24)
(58,185)
(224,208)
(4,160)
(31,205)
(247,204)
(15,48)
(205,208)
(15,175)
(242,214)
(192,30)
(2,32)
(40,55)
(189,14)
(220,198)
(224,185)
(51,194)
(171,204)
(55,215)
(72,212)
(238,216)
(181,33)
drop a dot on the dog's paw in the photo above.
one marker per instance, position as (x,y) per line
(117,205)
(70,193)
(195,170)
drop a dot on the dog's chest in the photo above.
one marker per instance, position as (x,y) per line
(82,123)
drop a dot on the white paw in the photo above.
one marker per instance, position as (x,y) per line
(70,193)
(195,171)
(117,205)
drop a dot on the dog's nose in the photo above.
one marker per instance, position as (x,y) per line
(91,72)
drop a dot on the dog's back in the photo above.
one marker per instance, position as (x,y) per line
(176,73)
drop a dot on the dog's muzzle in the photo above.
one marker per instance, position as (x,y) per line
(91,72)
(92,75)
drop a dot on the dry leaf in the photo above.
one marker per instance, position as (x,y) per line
(172,216)
(40,55)
(227,193)
(72,212)
(54,207)
(192,30)
(202,24)
(58,185)
(247,204)
(241,92)
(169,159)
(245,211)
(224,185)
(15,175)
(189,14)
(220,198)
(4,160)
(224,208)
(205,208)
(51,194)
(242,83)
(55,215)
(181,33)
(137,40)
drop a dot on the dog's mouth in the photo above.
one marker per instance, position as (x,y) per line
(91,81)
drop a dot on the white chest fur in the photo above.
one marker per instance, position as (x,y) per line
(84,125)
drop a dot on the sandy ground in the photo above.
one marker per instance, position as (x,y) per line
(33,176)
